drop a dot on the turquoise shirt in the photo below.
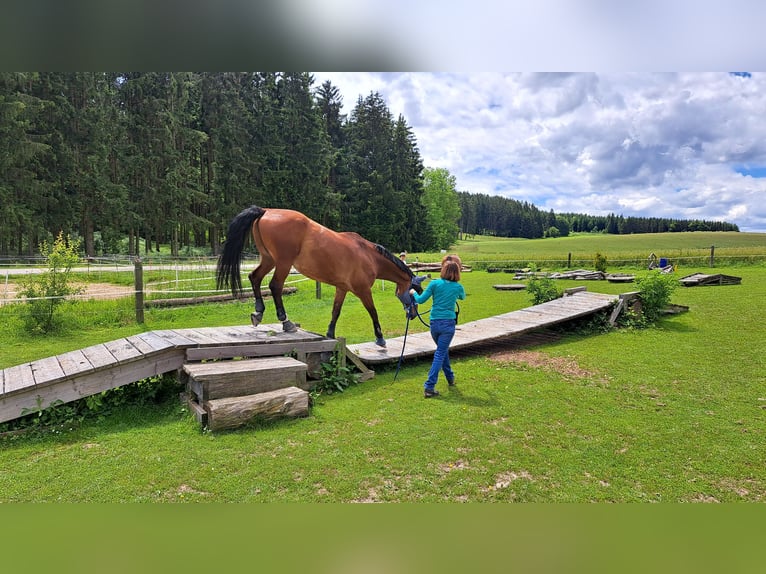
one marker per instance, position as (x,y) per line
(445,293)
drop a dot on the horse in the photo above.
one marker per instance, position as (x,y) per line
(286,238)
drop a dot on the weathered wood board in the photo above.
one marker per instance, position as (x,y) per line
(222,379)
(234,412)
(575,304)
(83,372)
(701,279)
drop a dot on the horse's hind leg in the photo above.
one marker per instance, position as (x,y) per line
(340,296)
(256,278)
(276,285)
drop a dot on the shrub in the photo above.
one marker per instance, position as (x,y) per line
(542,289)
(599,262)
(334,376)
(656,290)
(46,291)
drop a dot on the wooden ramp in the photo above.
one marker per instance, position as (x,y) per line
(703,279)
(576,303)
(98,368)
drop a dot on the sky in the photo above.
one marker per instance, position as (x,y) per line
(670,145)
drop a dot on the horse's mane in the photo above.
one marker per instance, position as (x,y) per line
(395,260)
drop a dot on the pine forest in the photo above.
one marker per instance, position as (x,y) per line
(129,161)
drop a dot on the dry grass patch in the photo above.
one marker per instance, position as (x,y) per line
(567,367)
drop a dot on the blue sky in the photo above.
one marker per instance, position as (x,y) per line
(673,145)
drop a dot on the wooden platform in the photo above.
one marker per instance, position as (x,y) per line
(98,368)
(702,279)
(576,303)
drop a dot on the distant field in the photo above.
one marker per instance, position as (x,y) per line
(692,248)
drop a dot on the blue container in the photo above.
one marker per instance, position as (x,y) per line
(663,262)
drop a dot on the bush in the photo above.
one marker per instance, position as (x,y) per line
(334,376)
(656,290)
(542,289)
(46,291)
(599,262)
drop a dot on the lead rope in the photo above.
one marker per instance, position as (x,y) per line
(404,342)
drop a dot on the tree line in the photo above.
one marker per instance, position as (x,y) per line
(131,160)
(482,214)
(127,161)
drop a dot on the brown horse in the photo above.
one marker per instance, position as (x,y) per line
(287,239)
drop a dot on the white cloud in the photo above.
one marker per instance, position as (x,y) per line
(666,145)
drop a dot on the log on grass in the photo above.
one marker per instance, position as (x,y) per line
(232,412)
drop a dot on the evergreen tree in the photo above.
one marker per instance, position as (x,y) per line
(22,146)
(442,205)
(412,228)
(370,206)
(330,103)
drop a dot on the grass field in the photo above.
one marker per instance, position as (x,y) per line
(673,413)
(688,249)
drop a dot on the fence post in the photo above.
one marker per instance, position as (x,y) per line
(139,289)
(569,261)
(712,255)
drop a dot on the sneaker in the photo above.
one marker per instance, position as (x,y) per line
(428,394)
(451,383)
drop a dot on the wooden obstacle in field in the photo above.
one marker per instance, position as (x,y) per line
(259,384)
(696,279)
(84,372)
(228,394)
(577,302)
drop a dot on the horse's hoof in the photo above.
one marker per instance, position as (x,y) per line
(380,342)
(256,318)
(289,327)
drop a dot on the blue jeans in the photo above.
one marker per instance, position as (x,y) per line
(442,331)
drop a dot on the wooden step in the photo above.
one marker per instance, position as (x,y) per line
(232,412)
(221,379)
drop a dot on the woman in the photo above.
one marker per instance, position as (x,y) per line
(445,291)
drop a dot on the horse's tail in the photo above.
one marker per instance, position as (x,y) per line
(228,273)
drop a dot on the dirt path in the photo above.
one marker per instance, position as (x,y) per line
(9,292)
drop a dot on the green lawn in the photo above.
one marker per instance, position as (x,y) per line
(671,413)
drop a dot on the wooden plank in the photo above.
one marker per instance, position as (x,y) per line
(2,381)
(143,347)
(269,333)
(47,370)
(175,338)
(90,383)
(225,335)
(366,374)
(74,363)
(200,414)
(19,378)
(154,341)
(237,378)
(199,336)
(519,321)
(492,328)
(258,350)
(123,350)
(99,356)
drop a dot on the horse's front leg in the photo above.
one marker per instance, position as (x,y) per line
(276,285)
(366,298)
(337,304)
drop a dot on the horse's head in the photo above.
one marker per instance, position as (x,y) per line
(407,300)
